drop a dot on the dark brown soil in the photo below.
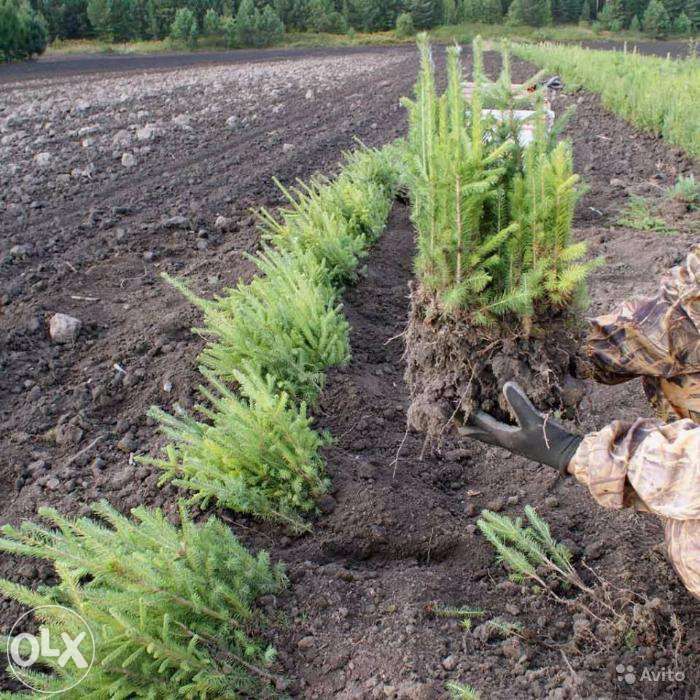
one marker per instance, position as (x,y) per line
(454,367)
(399,532)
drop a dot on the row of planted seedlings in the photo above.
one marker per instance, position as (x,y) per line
(171,609)
(501,282)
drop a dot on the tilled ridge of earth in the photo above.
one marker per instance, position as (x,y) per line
(87,235)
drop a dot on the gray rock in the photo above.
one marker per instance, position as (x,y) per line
(288,147)
(551,501)
(175,222)
(43,159)
(64,328)
(122,139)
(183,121)
(233,122)
(127,443)
(512,648)
(306,643)
(145,133)
(449,663)
(327,504)
(128,160)
(23,250)
(222,223)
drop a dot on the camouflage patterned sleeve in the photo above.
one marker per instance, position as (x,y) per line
(656,336)
(683,545)
(645,465)
(651,467)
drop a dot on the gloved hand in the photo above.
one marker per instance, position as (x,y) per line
(536,437)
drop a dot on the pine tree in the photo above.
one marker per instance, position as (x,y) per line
(404,25)
(212,22)
(585,15)
(424,13)
(170,608)
(635,25)
(692,12)
(656,22)
(612,15)
(570,10)
(674,8)
(184,27)
(493,222)
(682,25)
(449,12)
(269,28)
(535,13)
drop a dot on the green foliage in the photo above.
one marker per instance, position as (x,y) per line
(404,25)
(170,608)
(686,190)
(424,13)
(656,21)
(493,219)
(682,25)
(161,14)
(22,31)
(638,215)
(585,15)
(337,221)
(656,94)
(255,27)
(65,19)
(257,453)
(113,19)
(526,550)
(462,691)
(487,11)
(184,27)
(323,17)
(535,13)
(212,22)
(286,323)
(450,12)
(612,16)
(635,24)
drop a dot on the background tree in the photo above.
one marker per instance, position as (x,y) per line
(656,21)
(635,24)
(113,19)
(324,17)
(212,22)
(488,11)
(535,13)
(269,27)
(449,12)
(22,31)
(613,15)
(184,27)
(293,13)
(585,15)
(424,13)
(404,25)
(682,25)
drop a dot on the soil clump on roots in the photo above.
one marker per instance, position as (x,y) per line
(454,367)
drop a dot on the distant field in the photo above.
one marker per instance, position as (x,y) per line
(462,33)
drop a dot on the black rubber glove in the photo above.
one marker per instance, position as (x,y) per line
(536,437)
